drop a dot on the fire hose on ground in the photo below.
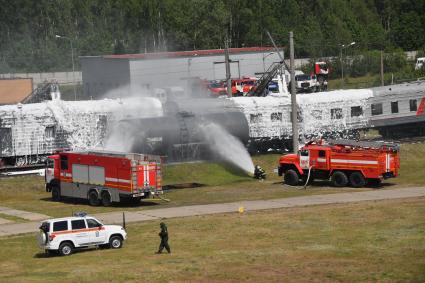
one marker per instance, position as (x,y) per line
(308,176)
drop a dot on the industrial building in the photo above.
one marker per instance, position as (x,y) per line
(101,74)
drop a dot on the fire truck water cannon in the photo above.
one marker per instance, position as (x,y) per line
(342,162)
(103,177)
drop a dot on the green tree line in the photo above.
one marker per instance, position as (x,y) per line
(28,27)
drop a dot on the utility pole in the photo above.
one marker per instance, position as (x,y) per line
(382,68)
(294,113)
(227,62)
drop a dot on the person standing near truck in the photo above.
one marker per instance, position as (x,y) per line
(164,238)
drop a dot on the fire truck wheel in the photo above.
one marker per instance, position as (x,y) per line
(94,198)
(66,248)
(339,179)
(106,199)
(56,195)
(115,242)
(291,178)
(357,180)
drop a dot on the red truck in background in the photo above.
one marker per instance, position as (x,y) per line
(342,161)
(103,177)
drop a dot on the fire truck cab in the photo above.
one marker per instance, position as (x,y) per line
(103,177)
(342,161)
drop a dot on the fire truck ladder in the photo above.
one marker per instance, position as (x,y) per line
(365,144)
(261,84)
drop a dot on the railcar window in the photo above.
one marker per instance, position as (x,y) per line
(276,116)
(413,105)
(376,109)
(394,106)
(49,132)
(336,113)
(64,162)
(322,153)
(356,111)
(255,118)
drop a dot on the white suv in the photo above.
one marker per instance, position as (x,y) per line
(81,231)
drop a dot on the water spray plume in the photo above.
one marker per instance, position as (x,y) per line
(228,147)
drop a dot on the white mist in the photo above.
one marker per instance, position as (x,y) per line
(227,146)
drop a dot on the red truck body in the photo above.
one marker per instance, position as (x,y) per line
(103,177)
(342,161)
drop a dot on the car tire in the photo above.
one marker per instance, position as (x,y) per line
(115,242)
(339,179)
(106,199)
(291,178)
(56,193)
(357,180)
(93,198)
(66,248)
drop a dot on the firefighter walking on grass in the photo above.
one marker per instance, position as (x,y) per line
(164,239)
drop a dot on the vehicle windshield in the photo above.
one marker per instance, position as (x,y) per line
(50,163)
(302,78)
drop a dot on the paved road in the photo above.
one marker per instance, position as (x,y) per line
(193,210)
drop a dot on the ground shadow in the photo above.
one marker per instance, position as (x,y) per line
(123,204)
(182,186)
(52,254)
(327,184)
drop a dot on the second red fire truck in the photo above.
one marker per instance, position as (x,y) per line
(342,161)
(103,177)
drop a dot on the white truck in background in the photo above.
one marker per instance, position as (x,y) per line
(419,63)
(306,83)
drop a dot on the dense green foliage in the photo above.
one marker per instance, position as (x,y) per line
(28,28)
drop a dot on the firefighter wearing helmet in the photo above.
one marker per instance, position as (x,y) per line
(164,238)
(259,173)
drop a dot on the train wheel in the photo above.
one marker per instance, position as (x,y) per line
(339,179)
(20,161)
(357,180)
(291,178)
(93,198)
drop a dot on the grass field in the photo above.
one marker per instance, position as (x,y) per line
(368,242)
(221,184)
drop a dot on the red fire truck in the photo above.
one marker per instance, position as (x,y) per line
(342,161)
(103,177)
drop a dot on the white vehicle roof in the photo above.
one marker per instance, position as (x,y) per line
(70,218)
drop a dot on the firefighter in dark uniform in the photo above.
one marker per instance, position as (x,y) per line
(259,173)
(164,239)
